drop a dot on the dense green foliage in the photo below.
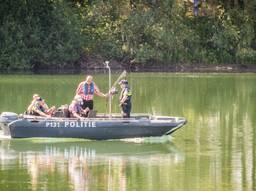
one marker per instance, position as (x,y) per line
(58,33)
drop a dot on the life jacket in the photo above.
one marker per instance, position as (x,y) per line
(74,107)
(88,90)
(78,108)
(42,108)
(35,106)
(129,94)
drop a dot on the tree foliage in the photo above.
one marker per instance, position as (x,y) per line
(57,33)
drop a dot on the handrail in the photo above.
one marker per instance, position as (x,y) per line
(114,117)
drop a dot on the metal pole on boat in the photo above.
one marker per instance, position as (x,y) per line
(106,63)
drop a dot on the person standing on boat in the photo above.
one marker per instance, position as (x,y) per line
(125,98)
(75,108)
(86,90)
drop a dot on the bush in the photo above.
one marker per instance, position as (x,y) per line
(56,33)
(40,40)
(246,56)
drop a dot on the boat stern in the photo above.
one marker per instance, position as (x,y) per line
(5,119)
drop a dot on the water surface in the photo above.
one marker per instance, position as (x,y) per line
(216,150)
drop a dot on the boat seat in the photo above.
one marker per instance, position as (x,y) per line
(62,111)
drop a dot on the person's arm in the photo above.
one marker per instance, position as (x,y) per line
(41,113)
(45,106)
(79,88)
(124,98)
(36,109)
(29,109)
(86,110)
(98,92)
(76,115)
(72,109)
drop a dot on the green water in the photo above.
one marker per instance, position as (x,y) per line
(216,150)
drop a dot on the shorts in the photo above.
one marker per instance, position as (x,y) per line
(88,104)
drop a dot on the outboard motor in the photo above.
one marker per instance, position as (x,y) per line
(5,119)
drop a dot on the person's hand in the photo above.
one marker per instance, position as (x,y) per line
(48,116)
(121,103)
(86,110)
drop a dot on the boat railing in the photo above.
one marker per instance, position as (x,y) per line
(99,117)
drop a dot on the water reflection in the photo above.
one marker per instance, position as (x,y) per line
(86,165)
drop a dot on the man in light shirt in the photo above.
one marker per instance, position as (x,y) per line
(86,89)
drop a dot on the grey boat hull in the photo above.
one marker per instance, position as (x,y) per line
(97,129)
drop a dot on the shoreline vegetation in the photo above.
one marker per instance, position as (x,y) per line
(174,68)
(72,36)
(188,68)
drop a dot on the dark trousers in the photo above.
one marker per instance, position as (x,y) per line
(126,108)
(88,104)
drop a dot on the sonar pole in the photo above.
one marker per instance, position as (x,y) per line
(106,63)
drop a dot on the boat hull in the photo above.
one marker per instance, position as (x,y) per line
(92,129)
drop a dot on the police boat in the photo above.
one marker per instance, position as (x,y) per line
(101,127)
(98,127)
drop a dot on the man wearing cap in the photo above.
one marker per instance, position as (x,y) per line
(39,107)
(75,108)
(86,90)
(125,98)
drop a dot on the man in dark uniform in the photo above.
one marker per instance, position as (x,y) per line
(125,98)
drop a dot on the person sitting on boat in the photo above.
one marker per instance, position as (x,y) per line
(86,89)
(38,107)
(125,99)
(29,109)
(49,111)
(75,108)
